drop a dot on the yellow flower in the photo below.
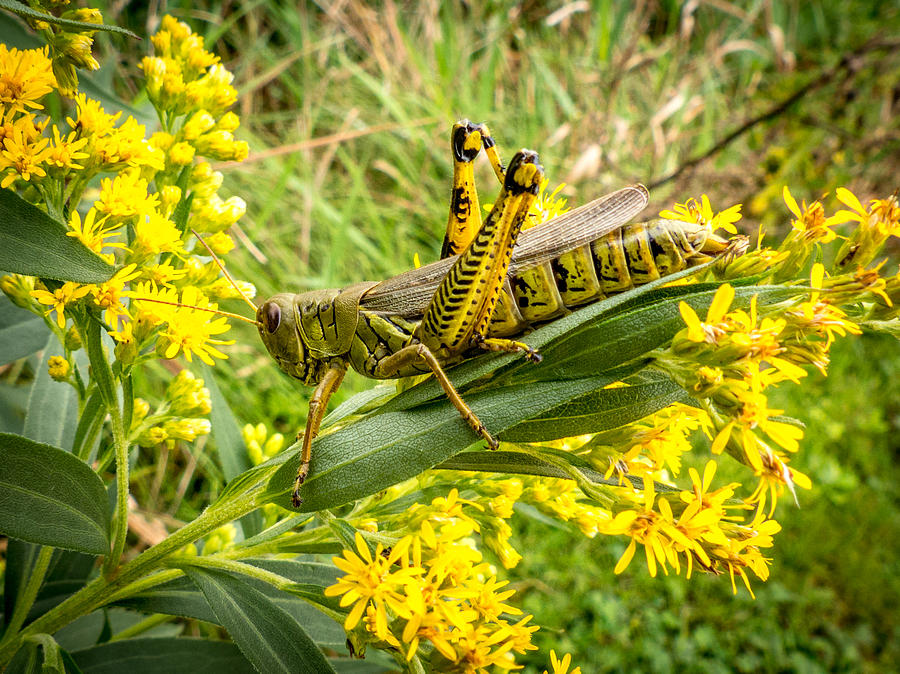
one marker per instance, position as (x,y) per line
(93,233)
(561,666)
(125,196)
(191,328)
(811,222)
(371,578)
(24,155)
(154,234)
(60,298)
(65,151)
(91,120)
(127,146)
(25,77)
(108,295)
(702,213)
(710,331)
(58,368)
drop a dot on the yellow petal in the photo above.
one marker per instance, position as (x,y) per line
(720,304)
(790,201)
(847,197)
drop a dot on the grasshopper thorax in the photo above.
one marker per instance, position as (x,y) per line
(278,323)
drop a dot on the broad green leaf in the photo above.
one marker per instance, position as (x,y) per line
(48,496)
(182,598)
(266,634)
(598,411)
(164,655)
(33,243)
(52,415)
(74,26)
(382,449)
(21,332)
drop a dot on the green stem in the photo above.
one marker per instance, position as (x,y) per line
(29,593)
(97,593)
(144,583)
(233,566)
(140,627)
(120,441)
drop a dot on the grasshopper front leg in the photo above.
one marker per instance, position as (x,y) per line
(329,383)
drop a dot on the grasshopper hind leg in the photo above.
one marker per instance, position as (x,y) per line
(466,142)
(407,356)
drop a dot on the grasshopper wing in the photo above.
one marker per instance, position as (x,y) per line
(408,294)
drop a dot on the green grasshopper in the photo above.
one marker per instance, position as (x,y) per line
(491,285)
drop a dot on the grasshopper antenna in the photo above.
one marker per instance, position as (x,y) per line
(225,272)
(192,306)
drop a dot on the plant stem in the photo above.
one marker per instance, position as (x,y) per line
(29,593)
(120,531)
(140,627)
(233,566)
(98,592)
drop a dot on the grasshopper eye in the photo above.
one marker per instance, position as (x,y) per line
(273,316)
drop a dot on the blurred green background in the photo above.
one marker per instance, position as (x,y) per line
(347,106)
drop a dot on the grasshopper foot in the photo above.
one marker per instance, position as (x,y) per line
(498,344)
(296,499)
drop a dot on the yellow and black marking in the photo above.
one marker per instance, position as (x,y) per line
(465,299)
(466,142)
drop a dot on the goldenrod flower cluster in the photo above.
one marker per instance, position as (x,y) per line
(139,217)
(178,417)
(432,593)
(727,361)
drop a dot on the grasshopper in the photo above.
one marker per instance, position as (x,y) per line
(491,285)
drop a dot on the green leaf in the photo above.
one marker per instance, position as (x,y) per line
(182,598)
(266,634)
(21,332)
(155,656)
(520,463)
(20,558)
(33,243)
(73,26)
(599,411)
(48,496)
(380,450)
(52,415)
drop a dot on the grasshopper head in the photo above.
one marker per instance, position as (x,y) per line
(277,322)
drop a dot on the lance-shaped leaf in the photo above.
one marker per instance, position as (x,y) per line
(181,597)
(599,411)
(170,655)
(33,243)
(48,496)
(267,635)
(21,332)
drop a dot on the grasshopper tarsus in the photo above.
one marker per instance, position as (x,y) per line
(499,344)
